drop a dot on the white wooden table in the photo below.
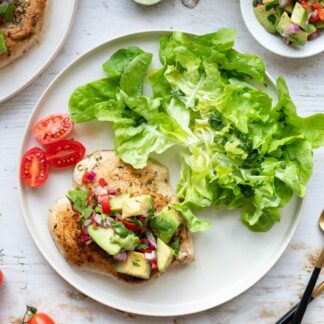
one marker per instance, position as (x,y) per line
(28,277)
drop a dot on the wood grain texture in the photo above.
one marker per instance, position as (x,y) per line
(28,277)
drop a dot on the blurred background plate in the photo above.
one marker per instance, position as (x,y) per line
(273,42)
(57,24)
(229,258)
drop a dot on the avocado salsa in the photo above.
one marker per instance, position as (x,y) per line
(138,239)
(7,12)
(295,21)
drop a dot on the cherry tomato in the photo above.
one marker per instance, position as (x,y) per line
(64,153)
(53,128)
(321,14)
(34,167)
(41,318)
(1,278)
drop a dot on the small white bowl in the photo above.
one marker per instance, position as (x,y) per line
(273,42)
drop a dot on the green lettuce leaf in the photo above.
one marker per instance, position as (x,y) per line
(84,98)
(118,62)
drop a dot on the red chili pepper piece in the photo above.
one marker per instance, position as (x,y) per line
(90,197)
(85,178)
(102,182)
(104,201)
(154,265)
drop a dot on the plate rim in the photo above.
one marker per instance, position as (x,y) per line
(147,312)
(269,48)
(51,57)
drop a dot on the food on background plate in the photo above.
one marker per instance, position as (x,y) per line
(295,21)
(239,149)
(51,132)
(119,221)
(21,23)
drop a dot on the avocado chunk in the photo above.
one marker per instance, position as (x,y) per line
(319,24)
(164,255)
(116,203)
(136,206)
(3,46)
(135,265)
(102,236)
(299,38)
(165,223)
(268,19)
(299,17)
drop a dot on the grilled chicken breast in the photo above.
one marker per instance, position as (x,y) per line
(24,31)
(152,180)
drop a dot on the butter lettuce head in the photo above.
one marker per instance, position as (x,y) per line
(239,148)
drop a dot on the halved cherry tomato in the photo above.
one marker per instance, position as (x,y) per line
(104,201)
(53,128)
(34,167)
(41,318)
(1,278)
(64,153)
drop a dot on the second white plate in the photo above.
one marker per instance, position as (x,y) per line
(57,24)
(274,43)
(229,258)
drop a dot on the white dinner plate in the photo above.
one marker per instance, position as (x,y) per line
(57,24)
(229,258)
(273,42)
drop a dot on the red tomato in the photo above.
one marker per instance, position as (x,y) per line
(313,20)
(304,4)
(64,153)
(34,168)
(41,318)
(1,278)
(53,128)
(321,14)
(104,201)
(316,5)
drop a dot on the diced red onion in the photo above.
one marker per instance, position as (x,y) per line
(92,176)
(282,3)
(87,222)
(122,256)
(108,222)
(145,214)
(291,29)
(84,235)
(314,35)
(150,256)
(96,218)
(151,242)
(88,242)
(111,190)
(312,14)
